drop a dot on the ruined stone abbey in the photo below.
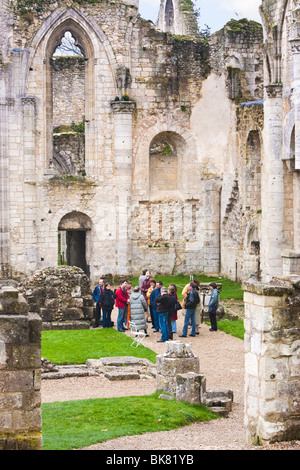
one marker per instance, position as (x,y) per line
(157,146)
(152,147)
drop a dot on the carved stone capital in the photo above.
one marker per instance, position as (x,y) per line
(123,106)
(295,45)
(274,91)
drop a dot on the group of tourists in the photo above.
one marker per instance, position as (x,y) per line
(152,302)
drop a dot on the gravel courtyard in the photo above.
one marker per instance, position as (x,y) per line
(221,361)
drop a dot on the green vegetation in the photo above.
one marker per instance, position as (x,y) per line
(77,424)
(230,289)
(186,5)
(233,328)
(76,346)
(74,128)
(167,150)
(244,26)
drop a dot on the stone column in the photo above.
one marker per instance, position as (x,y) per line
(272,360)
(272,186)
(123,120)
(20,372)
(30,198)
(211,233)
(292,259)
(295,85)
(4,189)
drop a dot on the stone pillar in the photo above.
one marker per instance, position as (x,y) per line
(211,232)
(30,197)
(5,104)
(191,387)
(272,186)
(178,359)
(20,372)
(123,117)
(272,360)
(295,85)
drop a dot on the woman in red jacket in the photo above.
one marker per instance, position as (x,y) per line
(122,300)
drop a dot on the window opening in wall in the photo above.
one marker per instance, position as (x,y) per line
(68,107)
(253,171)
(234,83)
(163,164)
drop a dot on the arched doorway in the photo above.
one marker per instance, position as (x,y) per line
(74,240)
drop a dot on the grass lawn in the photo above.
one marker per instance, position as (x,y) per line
(80,423)
(76,346)
(233,328)
(230,289)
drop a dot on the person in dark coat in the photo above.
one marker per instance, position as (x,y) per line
(153,296)
(172,310)
(96,297)
(163,305)
(175,316)
(107,300)
(213,306)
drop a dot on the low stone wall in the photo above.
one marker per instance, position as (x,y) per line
(20,372)
(62,296)
(272,361)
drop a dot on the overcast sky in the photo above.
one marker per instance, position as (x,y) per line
(214,13)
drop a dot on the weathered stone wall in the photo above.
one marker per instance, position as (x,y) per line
(20,372)
(69,153)
(61,296)
(136,210)
(272,361)
(241,211)
(68,83)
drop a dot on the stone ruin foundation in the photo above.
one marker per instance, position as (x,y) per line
(62,296)
(20,372)
(272,361)
(178,375)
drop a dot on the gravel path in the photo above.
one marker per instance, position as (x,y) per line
(221,361)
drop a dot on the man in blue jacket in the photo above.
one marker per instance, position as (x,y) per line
(153,296)
(96,296)
(213,306)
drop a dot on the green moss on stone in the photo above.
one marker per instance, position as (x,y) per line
(244,26)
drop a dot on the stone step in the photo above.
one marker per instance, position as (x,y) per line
(219,402)
(123,361)
(219,393)
(122,375)
(220,410)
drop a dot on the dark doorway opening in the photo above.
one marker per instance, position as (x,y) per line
(76,249)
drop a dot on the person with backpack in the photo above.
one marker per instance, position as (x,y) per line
(192,300)
(107,300)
